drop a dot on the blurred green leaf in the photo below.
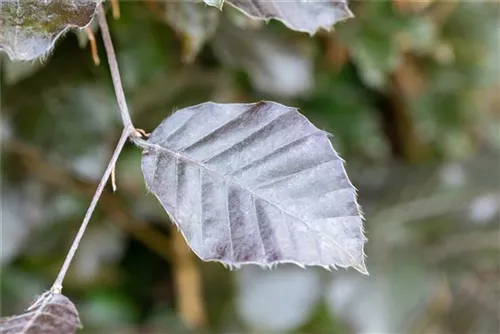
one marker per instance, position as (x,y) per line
(275,65)
(195,23)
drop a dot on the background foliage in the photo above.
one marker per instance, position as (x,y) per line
(410,92)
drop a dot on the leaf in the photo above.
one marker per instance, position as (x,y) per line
(15,71)
(255,184)
(300,15)
(215,3)
(194,23)
(31,27)
(383,303)
(15,227)
(277,301)
(52,313)
(274,64)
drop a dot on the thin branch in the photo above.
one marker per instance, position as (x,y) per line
(113,66)
(128,131)
(93,46)
(115,9)
(57,286)
(190,302)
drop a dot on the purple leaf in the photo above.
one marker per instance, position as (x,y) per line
(255,184)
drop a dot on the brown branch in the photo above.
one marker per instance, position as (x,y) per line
(115,9)
(58,177)
(188,284)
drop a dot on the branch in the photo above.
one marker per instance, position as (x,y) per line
(57,286)
(113,66)
(190,302)
(128,131)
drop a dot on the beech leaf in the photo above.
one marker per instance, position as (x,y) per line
(52,314)
(300,15)
(29,28)
(255,184)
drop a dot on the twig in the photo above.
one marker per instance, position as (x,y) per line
(113,66)
(57,286)
(128,131)
(93,46)
(115,9)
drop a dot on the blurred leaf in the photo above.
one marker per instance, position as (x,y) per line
(305,16)
(194,22)
(108,309)
(275,65)
(90,164)
(18,286)
(277,300)
(15,71)
(73,112)
(144,49)
(14,228)
(5,129)
(24,207)
(386,302)
(31,27)
(215,3)
(51,314)
(414,193)
(342,106)
(419,36)
(102,246)
(255,183)
(376,55)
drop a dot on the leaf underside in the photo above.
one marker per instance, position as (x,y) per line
(255,184)
(299,15)
(29,28)
(54,314)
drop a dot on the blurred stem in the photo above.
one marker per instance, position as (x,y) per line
(56,176)
(424,208)
(188,284)
(115,9)
(93,46)
(456,245)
